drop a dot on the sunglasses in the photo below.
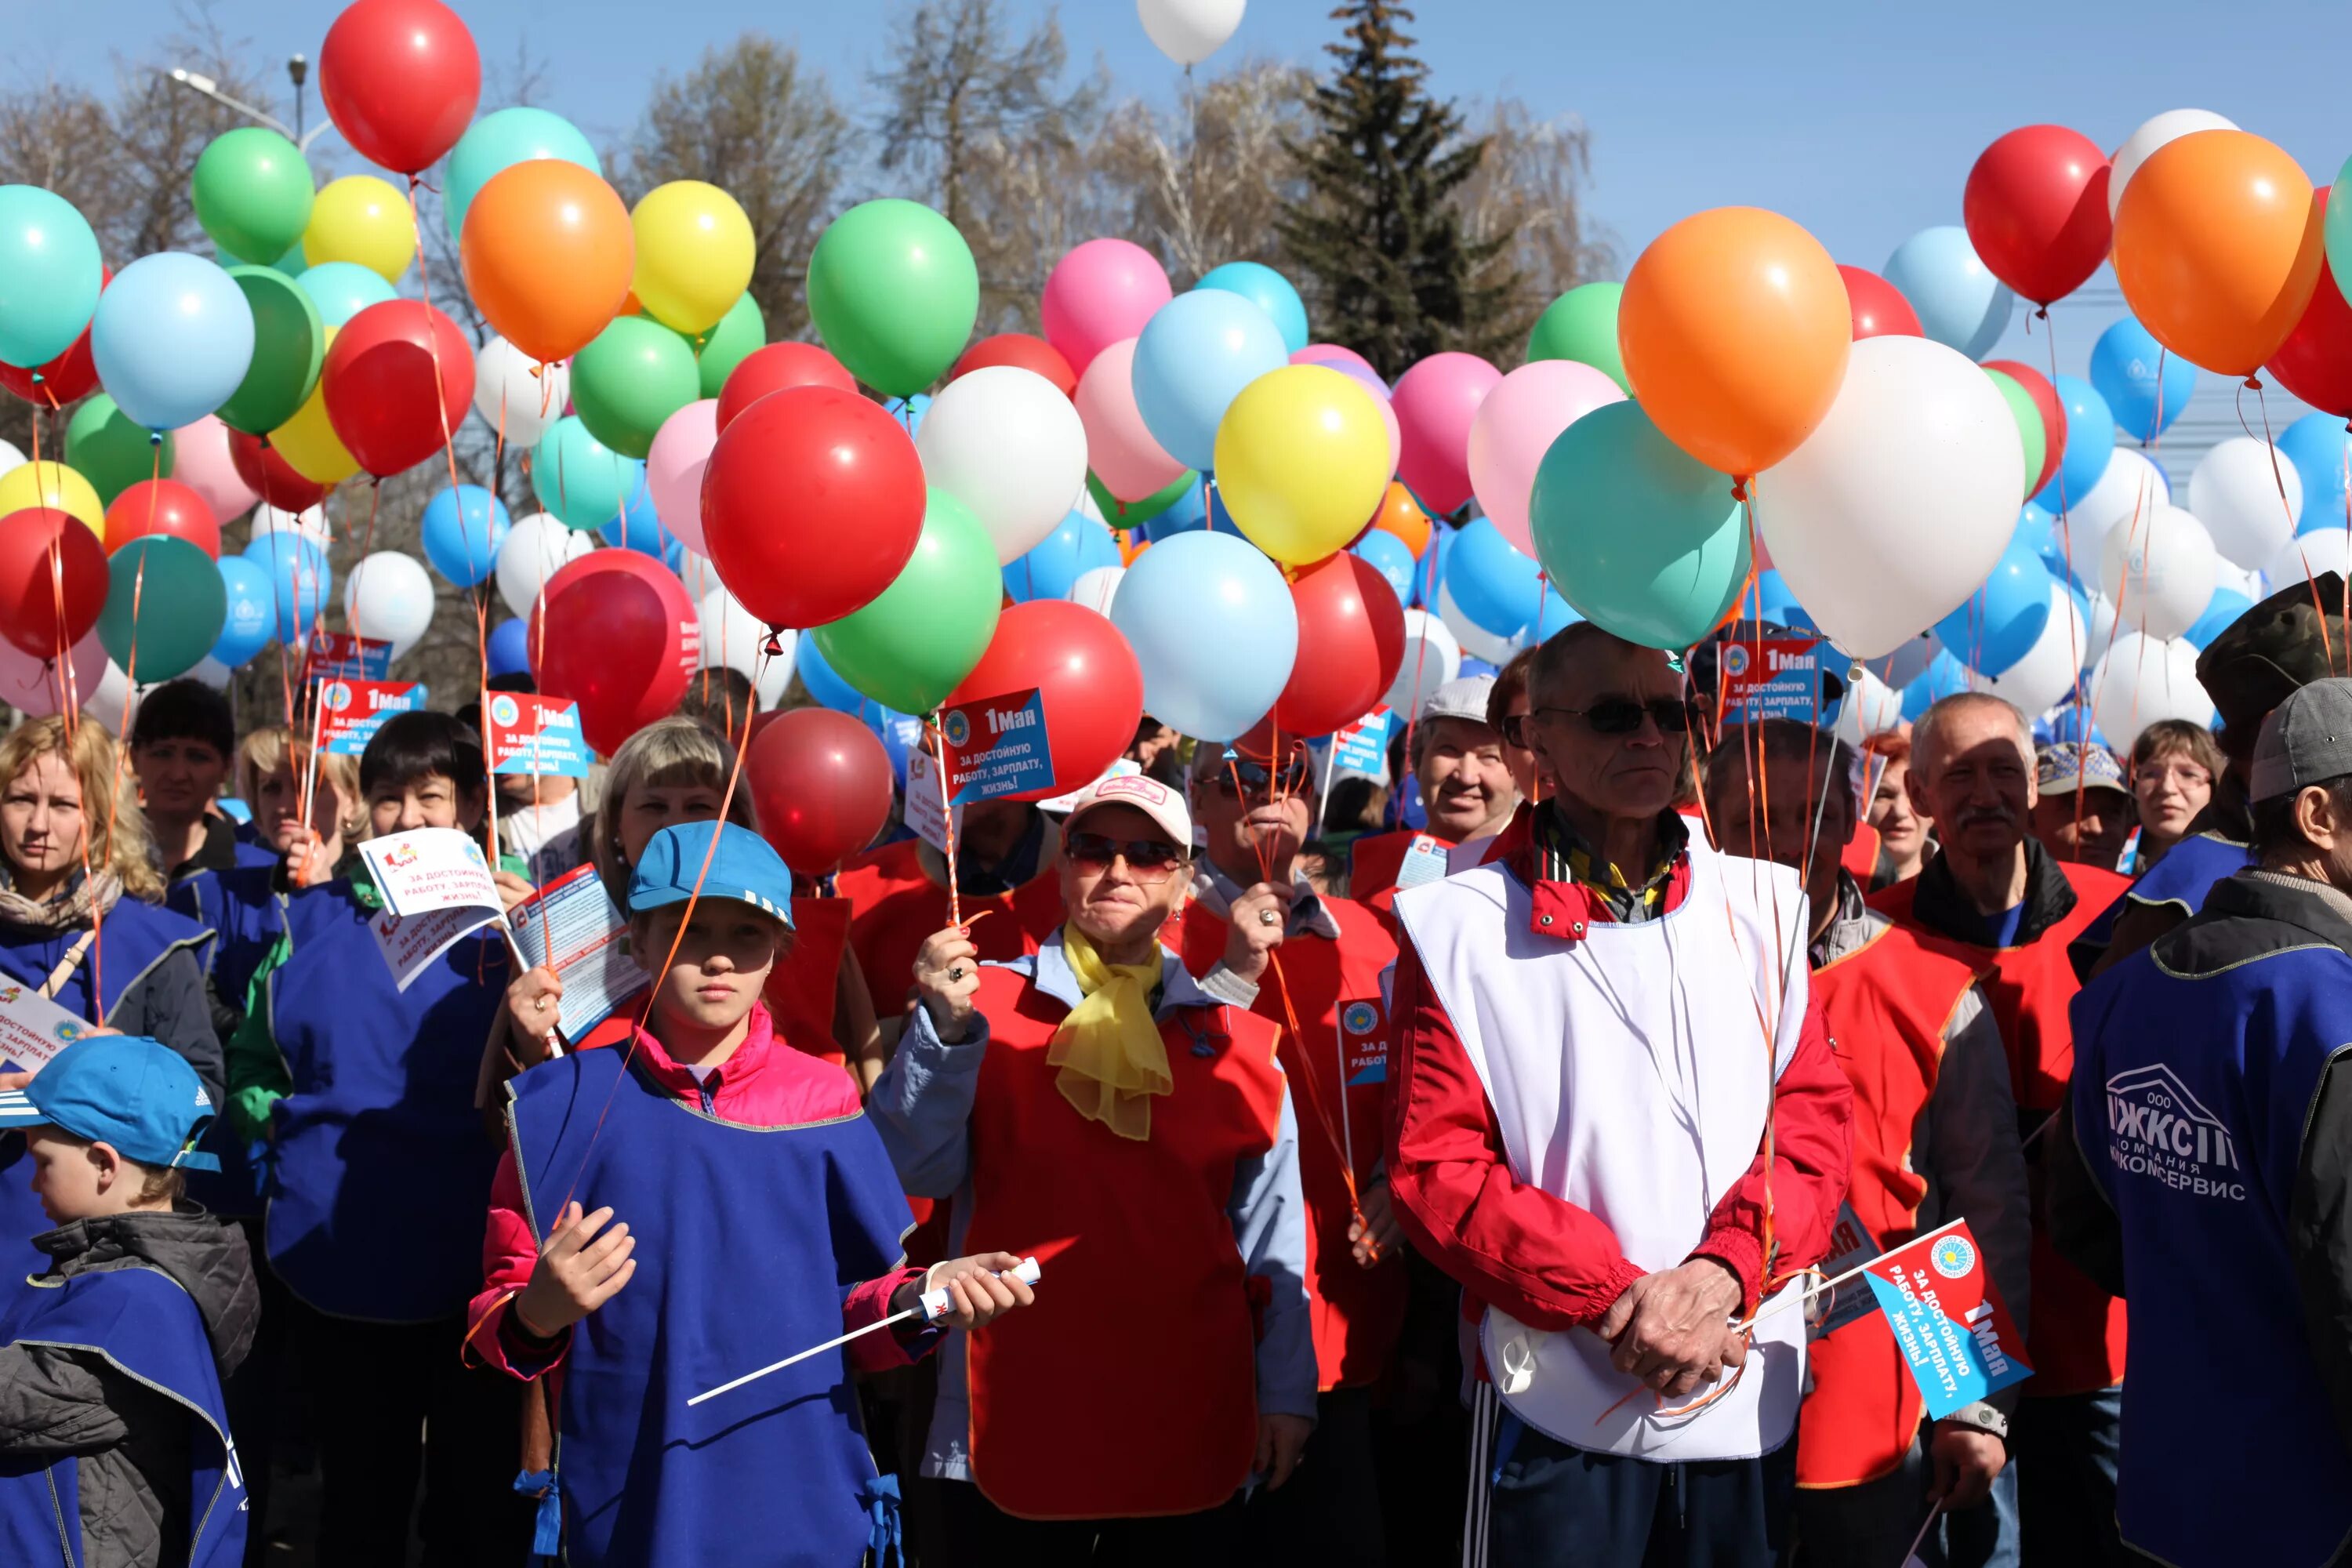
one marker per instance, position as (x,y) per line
(1148,860)
(1255,779)
(1622,715)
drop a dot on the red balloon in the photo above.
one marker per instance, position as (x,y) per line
(2316,361)
(398,380)
(615,633)
(1879,308)
(2036,210)
(774,367)
(1092,686)
(268,475)
(1350,618)
(2052,407)
(163,507)
(68,378)
(400,79)
(812,504)
(53,579)
(1023,352)
(821,783)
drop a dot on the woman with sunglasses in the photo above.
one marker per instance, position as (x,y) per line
(1135,1132)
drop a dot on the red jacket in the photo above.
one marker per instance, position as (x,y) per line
(1545,1261)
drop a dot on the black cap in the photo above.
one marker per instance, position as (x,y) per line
(2294,637)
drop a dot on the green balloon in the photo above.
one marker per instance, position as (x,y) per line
(718,351)
(636,373)
(2029,425)
(183,604)
(2336,230)
(581,481)
(253,192)
(1121,514)
(1581,325)
(912,646)
(894,293)
(1638,536)
(111,452)
(290,345)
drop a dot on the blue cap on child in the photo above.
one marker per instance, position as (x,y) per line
(744,868)
(135,1093)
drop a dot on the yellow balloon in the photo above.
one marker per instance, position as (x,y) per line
(50,484)
(1302,461)
(361,219)
(694,255)
(308,443)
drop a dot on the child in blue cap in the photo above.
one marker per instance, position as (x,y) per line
(680,1210)
(110,1364)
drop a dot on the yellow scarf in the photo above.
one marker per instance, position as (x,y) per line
(1108,1048)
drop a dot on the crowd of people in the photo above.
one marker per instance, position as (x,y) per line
(1414,1163)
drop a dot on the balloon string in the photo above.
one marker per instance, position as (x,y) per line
(947,810)
(114,797)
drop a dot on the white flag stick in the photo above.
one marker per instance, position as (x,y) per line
(1769,1308)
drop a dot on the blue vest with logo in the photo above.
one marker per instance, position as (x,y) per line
(2188,870)
(379,1137)
(246,913)
(749,1240)
(2190,1097)
(143,1324)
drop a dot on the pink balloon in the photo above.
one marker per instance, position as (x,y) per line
(674,466)
(1516,426)
(1336,357)
(1436,402)
(1101,294)
(1119,449)
(37,689)
(1369,379)
(200,460)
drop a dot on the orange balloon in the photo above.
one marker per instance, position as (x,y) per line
(1402,515)
(1131,545)
(2218,246)
(1734,327)
(547,254)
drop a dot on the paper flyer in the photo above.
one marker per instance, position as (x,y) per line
(411,944)
(926,818)
(34,1029)
(1851,1247)
(1948,1322)
(996,746)
(431,868)
(527,735)
(339,656)
(352,711)
(573,927)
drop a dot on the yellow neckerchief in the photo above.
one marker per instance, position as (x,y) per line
(1110,1050)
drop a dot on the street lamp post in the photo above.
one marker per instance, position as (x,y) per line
(297,68)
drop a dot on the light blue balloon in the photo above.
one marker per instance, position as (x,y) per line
(509,647)
(2146,388)
(252,617)
(1499,589)
(1429,576)
(1193,358)
(1213,628)
(50,275)
(299,581)
(908,411)
(827,689)
(1944,676)
(1199,507)
(2000,623)
(1960,304)
(2038,531)
(1558,615)
(1772,600)
(1387,554)
(2066,725)
(462,531)
(2090,445)
(898,733)
(1060,559)
(639,530)
(1267,289)
(341,290)
(2226,606)
(172,339)
(2316,444)
(497,142)
(585,483)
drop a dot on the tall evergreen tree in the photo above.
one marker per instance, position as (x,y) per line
(1380,238)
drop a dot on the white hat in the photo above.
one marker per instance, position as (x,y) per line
(1164,806)
(1462,698)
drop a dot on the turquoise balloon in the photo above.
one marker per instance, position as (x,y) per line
(2338,230)
(1269,291)
(497,142)
(341,290)
(182,607)
(583,482)
(50,275)
(1641,538)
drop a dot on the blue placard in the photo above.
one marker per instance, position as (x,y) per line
(1777,678)
(996,746)
(339,656)
(1363,746)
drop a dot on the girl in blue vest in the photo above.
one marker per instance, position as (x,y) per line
(379,1178)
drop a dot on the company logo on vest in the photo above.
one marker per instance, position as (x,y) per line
(2157,1129)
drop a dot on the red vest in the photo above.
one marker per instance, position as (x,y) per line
(1861,857)
(1335,988)
(2076,1339)
(895,908)
(802,989)
(1373,862)
(1081,1408)
(1886,1005)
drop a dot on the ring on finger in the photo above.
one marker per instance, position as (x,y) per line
(955,972)
(1269,918)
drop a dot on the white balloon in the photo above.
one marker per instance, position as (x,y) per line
(1007,443)
(111,703)
(530,396)
(1095,587)
(2131,487)
(1476,640)
(2141,680)
(1190,31)
(1871,705)
(534,549)
(10,457)
(2310,555)
(2045,676)
(212,673)
(2160,571)
(2236,492)
(1900,502)
(1431,657)
(1086,505)
(2169,126)
(2100,631)
(731,639)
(311,523)
(388,597)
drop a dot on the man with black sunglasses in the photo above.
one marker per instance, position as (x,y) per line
(1617,1121)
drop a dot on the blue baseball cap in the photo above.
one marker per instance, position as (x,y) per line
(135,1093)
(744,868)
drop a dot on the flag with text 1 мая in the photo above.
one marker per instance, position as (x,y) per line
(1948,1322)
(996,746)
(528,734)
(341,656)
(352,711)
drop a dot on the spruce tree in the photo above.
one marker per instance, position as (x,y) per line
(1378,239)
